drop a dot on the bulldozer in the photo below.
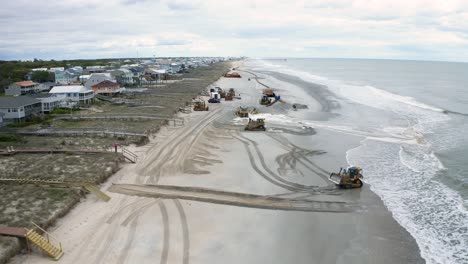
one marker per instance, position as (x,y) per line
(347,178)
(265,100)
(200,106)
(242,112)
(256,125)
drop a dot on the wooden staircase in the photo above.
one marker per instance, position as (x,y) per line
(93,189)
(44,244)
(130,156)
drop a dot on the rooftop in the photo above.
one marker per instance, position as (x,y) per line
(68,89)
(16,101)
(26,83)
(106,83)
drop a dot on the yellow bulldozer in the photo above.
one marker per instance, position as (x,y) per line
(242,112)
(256,125)
(200,106)
(348,178)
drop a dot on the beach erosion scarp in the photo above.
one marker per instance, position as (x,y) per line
(210,154)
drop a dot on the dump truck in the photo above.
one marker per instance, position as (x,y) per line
(200,106)
(347,178)
(256,125)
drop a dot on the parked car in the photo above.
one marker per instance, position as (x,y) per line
(214,101)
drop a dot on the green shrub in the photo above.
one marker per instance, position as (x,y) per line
(6,137)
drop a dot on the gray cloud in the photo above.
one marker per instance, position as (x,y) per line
(93,28)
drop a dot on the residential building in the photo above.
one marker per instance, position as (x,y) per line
(123,76)
(23,87)
(106,88)
(19,108)
(49,101)
(84,78)
(74,93)
(157,75)
(96,78)
(64,77)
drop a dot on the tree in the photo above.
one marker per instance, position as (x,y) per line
(40,76)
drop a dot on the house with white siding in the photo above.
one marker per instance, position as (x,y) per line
(19,108)
(74,93)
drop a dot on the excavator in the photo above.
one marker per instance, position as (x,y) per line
(347,178)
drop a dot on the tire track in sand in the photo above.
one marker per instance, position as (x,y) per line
(185,231)
(166,234)
(165,153)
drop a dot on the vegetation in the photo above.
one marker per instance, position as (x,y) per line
(7,137)
(45,120)
(14,71)
(42,76)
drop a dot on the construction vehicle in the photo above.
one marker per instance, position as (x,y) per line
(265,100)
(214,101)
(348,178)
(242,112)
(200,106)
(269,92)
(256,125)
(232,75)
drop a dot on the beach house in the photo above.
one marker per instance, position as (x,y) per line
(74,94)
(123,76)
(19,108)
(106,87)
(49,101)
(64,77)
(96,78)
(23,87)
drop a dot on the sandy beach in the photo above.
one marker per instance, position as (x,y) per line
(233,197)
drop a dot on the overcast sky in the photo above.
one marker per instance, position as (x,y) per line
(389,29)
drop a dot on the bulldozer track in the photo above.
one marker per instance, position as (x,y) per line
(185,232)
(273,177)
(292,147)
(233,198)
(172,145)
(166,234)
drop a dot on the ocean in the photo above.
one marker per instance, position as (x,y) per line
(413,118)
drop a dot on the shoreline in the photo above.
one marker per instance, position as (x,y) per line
(201,154)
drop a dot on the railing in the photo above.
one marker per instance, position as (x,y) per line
(132,157)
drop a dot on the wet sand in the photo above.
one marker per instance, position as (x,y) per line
(212,152)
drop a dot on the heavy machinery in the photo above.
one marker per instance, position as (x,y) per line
(269,92)
(348,178)
(232,75)
(242,112)
(256,125)
(200,106)
(265,100)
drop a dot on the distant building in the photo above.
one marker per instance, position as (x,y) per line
(96,78)
(74,93)
(19,108)
(123,76)
(64,77)
(106,88)
(21,88)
